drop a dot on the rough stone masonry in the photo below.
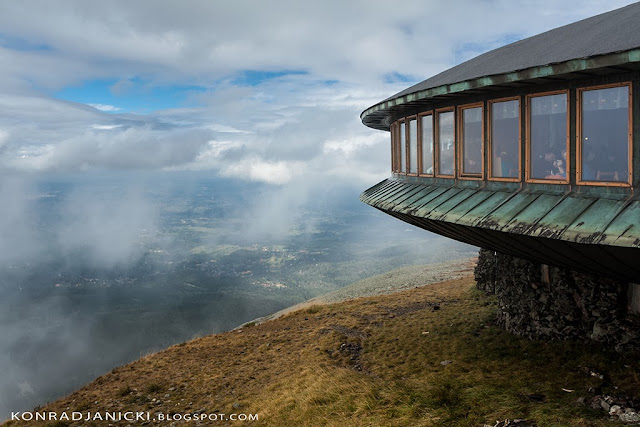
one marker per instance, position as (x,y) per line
(540,301)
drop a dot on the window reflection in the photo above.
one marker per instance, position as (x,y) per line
(413,146)
(446,143)
(548,137)
(403,149)
(472,141)
(605,134)
(505,136)
(603,140)
(392,130)
(427,144)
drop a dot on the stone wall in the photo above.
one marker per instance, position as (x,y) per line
(539,301)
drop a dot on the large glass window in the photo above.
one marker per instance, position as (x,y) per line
(604,134)
(403,149)
(446,145)
(413,146)
(471,129)
(392,131)
(504,139)
(426,133)
(547,137)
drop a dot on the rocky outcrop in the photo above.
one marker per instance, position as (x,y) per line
(540,301)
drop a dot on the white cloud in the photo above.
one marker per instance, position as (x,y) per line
(352,144)
(203,41)
(105,127)
(225,129)
(105,107)
(295,127)
(257,169)
(4,136)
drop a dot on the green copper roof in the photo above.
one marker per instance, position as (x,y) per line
(577,231)
(569,217)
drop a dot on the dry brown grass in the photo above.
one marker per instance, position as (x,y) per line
(371,361)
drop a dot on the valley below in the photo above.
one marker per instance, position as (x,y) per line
(201,261)
(412,353)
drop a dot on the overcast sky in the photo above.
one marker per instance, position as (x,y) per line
(262,90)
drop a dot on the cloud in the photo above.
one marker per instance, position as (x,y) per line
(105,107)
(203,42)
(348,146)
(105,127)
(4,136)
(257,169)
(106,228)
(271,94)
(18,238)
(225,129)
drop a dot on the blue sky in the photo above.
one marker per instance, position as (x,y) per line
(133,95)
(141,95)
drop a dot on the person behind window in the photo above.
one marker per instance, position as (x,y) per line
(560,165)
(608,167)
(544,165)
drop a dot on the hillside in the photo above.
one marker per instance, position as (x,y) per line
(427,355)
(400,279)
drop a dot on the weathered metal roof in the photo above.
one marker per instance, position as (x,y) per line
(578,231)
(614,31)
(611,39)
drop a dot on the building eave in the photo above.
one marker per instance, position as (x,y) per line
(578,231)
(379,116)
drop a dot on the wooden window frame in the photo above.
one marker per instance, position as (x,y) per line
(527,164)
(490,177)
(407,134)
(421,146)
(459,142)
(579,180)
(400,153)
(396,147)
(436,141)
(392,131)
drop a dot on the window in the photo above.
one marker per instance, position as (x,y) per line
(413,146)
(504,139)
(547,138)
(604,135)
(396,147)
(471,138)
(426,140)
(403,148)
(446,143)
(392,131)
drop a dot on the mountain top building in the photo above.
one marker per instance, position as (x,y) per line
(531,151)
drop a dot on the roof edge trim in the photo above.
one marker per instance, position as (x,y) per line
(374,115)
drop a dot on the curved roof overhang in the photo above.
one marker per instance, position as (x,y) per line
(576,231)
(380,115)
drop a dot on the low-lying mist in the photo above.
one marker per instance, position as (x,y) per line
(98,270)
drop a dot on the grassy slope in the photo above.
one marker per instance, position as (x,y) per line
(371,361)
